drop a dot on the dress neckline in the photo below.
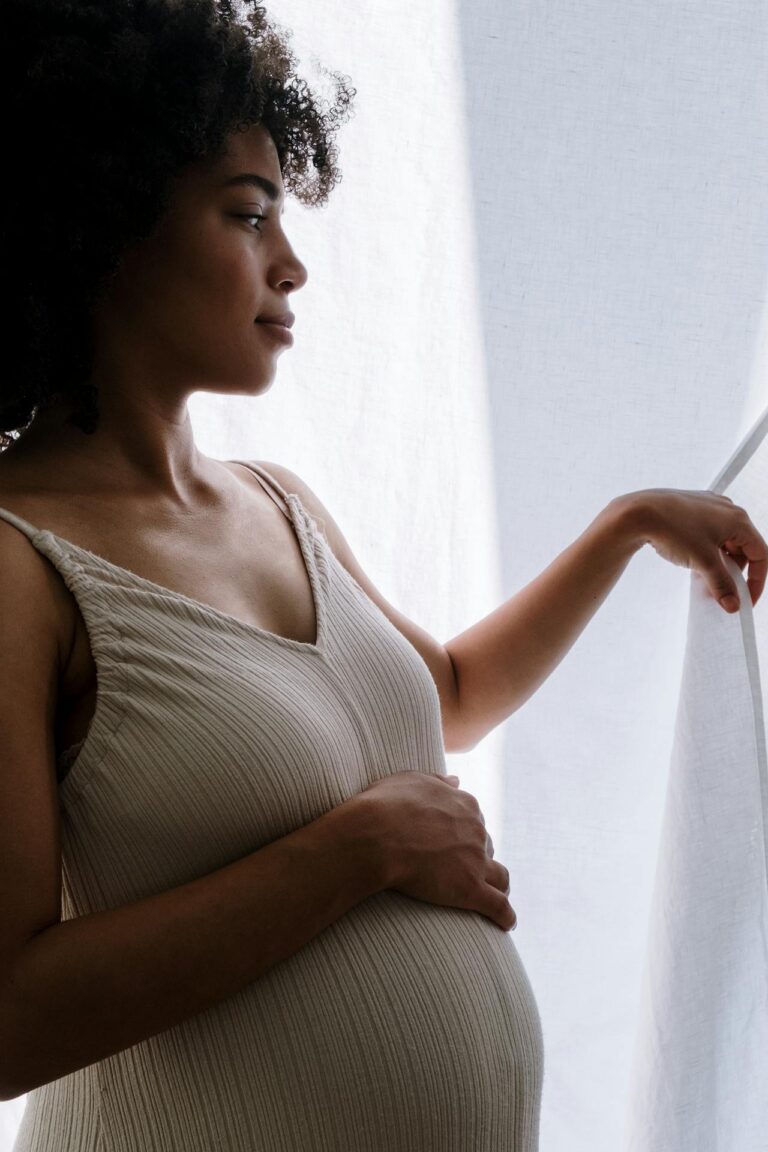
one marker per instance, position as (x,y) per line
(299,522)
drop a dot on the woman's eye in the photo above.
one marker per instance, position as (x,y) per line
(254,216)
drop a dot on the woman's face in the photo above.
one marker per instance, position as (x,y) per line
(182,314)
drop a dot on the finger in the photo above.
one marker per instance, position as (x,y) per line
(739,558)
(754,550)
(498,876)
(500,909)
(722,585)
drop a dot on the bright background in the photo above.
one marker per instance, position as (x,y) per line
(540,283)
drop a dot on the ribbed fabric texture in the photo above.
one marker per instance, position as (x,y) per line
(403,1026)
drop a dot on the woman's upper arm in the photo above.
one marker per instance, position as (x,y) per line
(31,638)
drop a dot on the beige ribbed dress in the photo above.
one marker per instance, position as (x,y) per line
(403,1026)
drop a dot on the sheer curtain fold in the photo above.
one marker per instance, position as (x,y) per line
(700,1073)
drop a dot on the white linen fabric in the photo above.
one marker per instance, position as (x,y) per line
(700,1077)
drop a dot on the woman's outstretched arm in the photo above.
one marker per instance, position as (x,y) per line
(501,661)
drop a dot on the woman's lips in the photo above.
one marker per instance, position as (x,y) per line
(277,330)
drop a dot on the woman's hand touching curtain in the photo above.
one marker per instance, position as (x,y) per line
(695,530)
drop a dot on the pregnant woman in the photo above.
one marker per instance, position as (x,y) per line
(243,907)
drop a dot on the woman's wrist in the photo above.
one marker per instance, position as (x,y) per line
(357,825)
(630,516)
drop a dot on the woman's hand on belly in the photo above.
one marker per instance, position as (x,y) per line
(435,846)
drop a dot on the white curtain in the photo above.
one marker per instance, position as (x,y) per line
(540,283)
(700,1080)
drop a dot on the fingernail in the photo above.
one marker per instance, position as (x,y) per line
(730,603)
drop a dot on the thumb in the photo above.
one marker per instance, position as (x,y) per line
(725,591)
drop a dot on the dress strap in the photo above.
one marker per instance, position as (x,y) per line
(270,485)
(17,521)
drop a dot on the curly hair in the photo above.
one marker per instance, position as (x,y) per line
(106,102)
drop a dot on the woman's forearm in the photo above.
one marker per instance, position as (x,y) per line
(89,987)
(502,660)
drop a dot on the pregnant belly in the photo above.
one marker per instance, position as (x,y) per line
(402,1027)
